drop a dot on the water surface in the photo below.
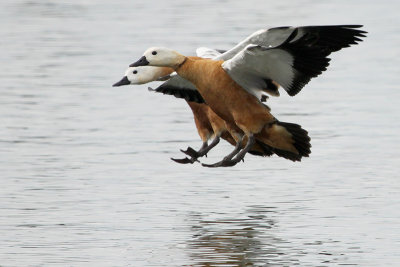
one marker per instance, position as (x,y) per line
(85,169)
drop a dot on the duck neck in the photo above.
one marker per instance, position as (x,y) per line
(163,72)
(187,70)
(183,62)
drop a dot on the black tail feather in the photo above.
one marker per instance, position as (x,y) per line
(300,137)
(301,142)
(267,150)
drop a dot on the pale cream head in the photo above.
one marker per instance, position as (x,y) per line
(144,74)
(160,56)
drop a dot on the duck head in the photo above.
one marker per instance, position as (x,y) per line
(144,74)
(160,56)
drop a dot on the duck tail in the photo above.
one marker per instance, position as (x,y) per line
(287,140)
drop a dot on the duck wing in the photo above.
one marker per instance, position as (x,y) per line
(291,64)
(180,88)
(330,38)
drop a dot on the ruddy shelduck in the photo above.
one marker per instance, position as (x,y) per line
(228,86)
(247,116)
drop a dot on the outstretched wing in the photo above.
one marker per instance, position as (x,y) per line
(291,64)
(180,88)
(329,38)
(300,54)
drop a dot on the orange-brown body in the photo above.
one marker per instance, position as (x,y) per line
(209,125)
(201,120)
(242,112)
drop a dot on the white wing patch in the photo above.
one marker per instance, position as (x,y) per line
(290,56)
(206,52)
(255,64)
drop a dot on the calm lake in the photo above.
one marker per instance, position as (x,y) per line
(85,169)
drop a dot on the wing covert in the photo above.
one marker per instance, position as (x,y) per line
(291,64)
(180,88)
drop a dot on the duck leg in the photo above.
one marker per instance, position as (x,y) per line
(230,159)
(226,158)
(203,150)
(240,156)
(194,155)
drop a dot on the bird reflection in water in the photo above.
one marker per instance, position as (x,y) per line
(246,241)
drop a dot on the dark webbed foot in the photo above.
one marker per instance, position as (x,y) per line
(191,152)
(185,160)
(222,163)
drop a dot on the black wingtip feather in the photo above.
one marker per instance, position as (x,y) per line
(334,37)
(308,63)
(311,46)
(187,94)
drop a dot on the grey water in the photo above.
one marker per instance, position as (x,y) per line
(85,169)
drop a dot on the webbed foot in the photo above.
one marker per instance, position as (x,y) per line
(185,160)
(191,152)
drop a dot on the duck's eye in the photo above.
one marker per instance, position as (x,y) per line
(154,53)
(135,71)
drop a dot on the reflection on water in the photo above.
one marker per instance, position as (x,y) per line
(85,173)
(252,240)
(234,242)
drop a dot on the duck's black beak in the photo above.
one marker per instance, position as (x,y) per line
(141,62)
(123,81)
